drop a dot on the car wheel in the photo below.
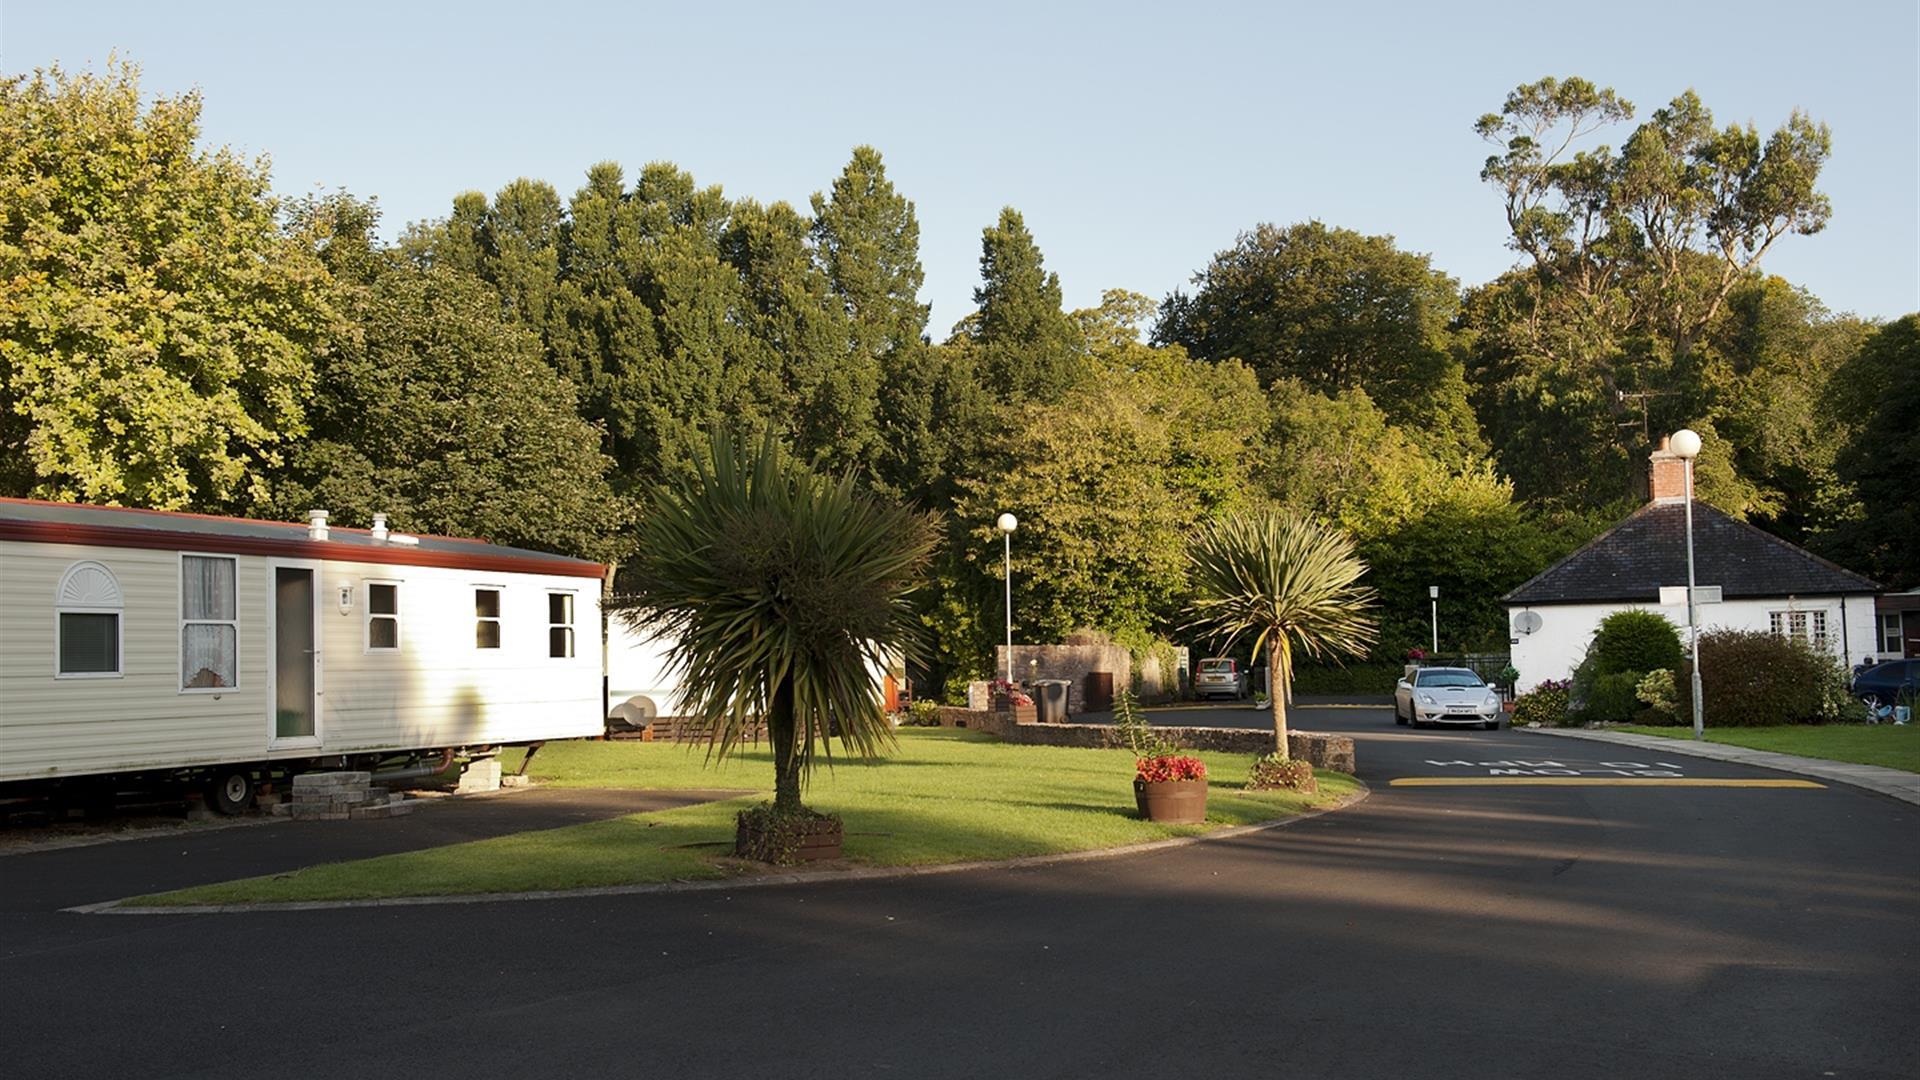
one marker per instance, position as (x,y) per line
(1397,718)
(1494,724)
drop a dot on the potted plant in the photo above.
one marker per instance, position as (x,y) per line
(1008,697)
(1171,788)
(1168,786)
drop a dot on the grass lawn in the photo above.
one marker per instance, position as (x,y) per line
(944,796)
(1896,747)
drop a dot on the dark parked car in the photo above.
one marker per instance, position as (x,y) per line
(1891,683)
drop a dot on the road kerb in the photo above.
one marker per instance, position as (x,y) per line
(1892,783)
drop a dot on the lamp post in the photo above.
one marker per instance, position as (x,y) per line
(1433,594)
(1007,524)
(1686,444)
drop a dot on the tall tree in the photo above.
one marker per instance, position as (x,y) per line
(1630,258)
(867,239)
(1108,481)
(1876,400)
(1028,347)
(1337,311)
(158,324)
(438,410)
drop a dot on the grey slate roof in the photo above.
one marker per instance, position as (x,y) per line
(1632,560)
(53,513)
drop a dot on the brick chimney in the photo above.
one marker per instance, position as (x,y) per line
(1668,479)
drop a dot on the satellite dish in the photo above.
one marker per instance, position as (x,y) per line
(1526,622)
(634,713)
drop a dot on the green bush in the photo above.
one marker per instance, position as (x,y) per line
(1276,772)
(1750,678)
(1545,704)
(1613,699)
(1371,677)
(922,713)
(1661,699)
(1635,640)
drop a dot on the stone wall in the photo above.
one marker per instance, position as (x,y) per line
(1070,662)
(1324,751)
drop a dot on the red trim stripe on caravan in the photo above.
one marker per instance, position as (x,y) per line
(47,532)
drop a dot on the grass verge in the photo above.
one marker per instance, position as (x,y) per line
(1894,746)
(944,796)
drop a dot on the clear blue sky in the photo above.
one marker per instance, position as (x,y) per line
(1137,138)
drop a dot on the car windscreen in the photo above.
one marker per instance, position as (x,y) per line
(1449,678)
(1216,666)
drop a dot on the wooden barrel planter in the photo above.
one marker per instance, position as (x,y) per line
(1174,802)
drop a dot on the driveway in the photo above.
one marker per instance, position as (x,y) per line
(1489,928)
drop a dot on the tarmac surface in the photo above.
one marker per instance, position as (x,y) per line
(1547,908)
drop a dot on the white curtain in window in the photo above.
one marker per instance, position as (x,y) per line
(209,656)
(207,588)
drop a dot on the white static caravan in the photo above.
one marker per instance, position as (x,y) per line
(205,648)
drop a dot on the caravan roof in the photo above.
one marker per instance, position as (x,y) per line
(32,520)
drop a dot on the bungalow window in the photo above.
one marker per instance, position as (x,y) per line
(1890,642)
(209,622)
(560,624)
(1808,627)
(383,616)
(88,608)
(486,618)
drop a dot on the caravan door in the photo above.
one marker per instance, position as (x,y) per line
(293,670)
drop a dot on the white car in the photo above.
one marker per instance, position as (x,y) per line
(1445,695)
(1219,677)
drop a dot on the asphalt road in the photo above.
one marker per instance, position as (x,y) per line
(1480,930)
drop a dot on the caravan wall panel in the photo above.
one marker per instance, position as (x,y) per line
(438,689)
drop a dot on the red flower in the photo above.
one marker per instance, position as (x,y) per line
(1166,767)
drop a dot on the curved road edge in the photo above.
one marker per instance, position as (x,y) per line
(804,877)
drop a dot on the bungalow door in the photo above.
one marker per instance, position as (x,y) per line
(293,699)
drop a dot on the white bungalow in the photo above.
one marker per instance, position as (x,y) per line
(1749,579)
(224,651)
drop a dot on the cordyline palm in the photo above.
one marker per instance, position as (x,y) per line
(783,594)
(1288,582)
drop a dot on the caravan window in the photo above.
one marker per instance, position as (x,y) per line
(88,606)
(383,616)
(560,624)
(209,622)
(486,618)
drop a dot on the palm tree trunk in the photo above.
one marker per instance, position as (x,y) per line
(786,752)
(1279,684)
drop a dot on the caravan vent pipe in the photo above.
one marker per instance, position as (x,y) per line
(379,528)
(316,524)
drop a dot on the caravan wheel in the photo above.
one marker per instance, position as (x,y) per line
(230,791)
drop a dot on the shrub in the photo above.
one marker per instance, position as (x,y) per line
(1613,699)
(1661,699)
(1279,772)
(1545,704)
(1750,678)
(1635,640)
(1369,677)
(922,714)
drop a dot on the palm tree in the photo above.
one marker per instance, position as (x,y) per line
(1288,582)
(782,592)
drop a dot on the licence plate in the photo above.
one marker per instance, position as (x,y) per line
(1462,709)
